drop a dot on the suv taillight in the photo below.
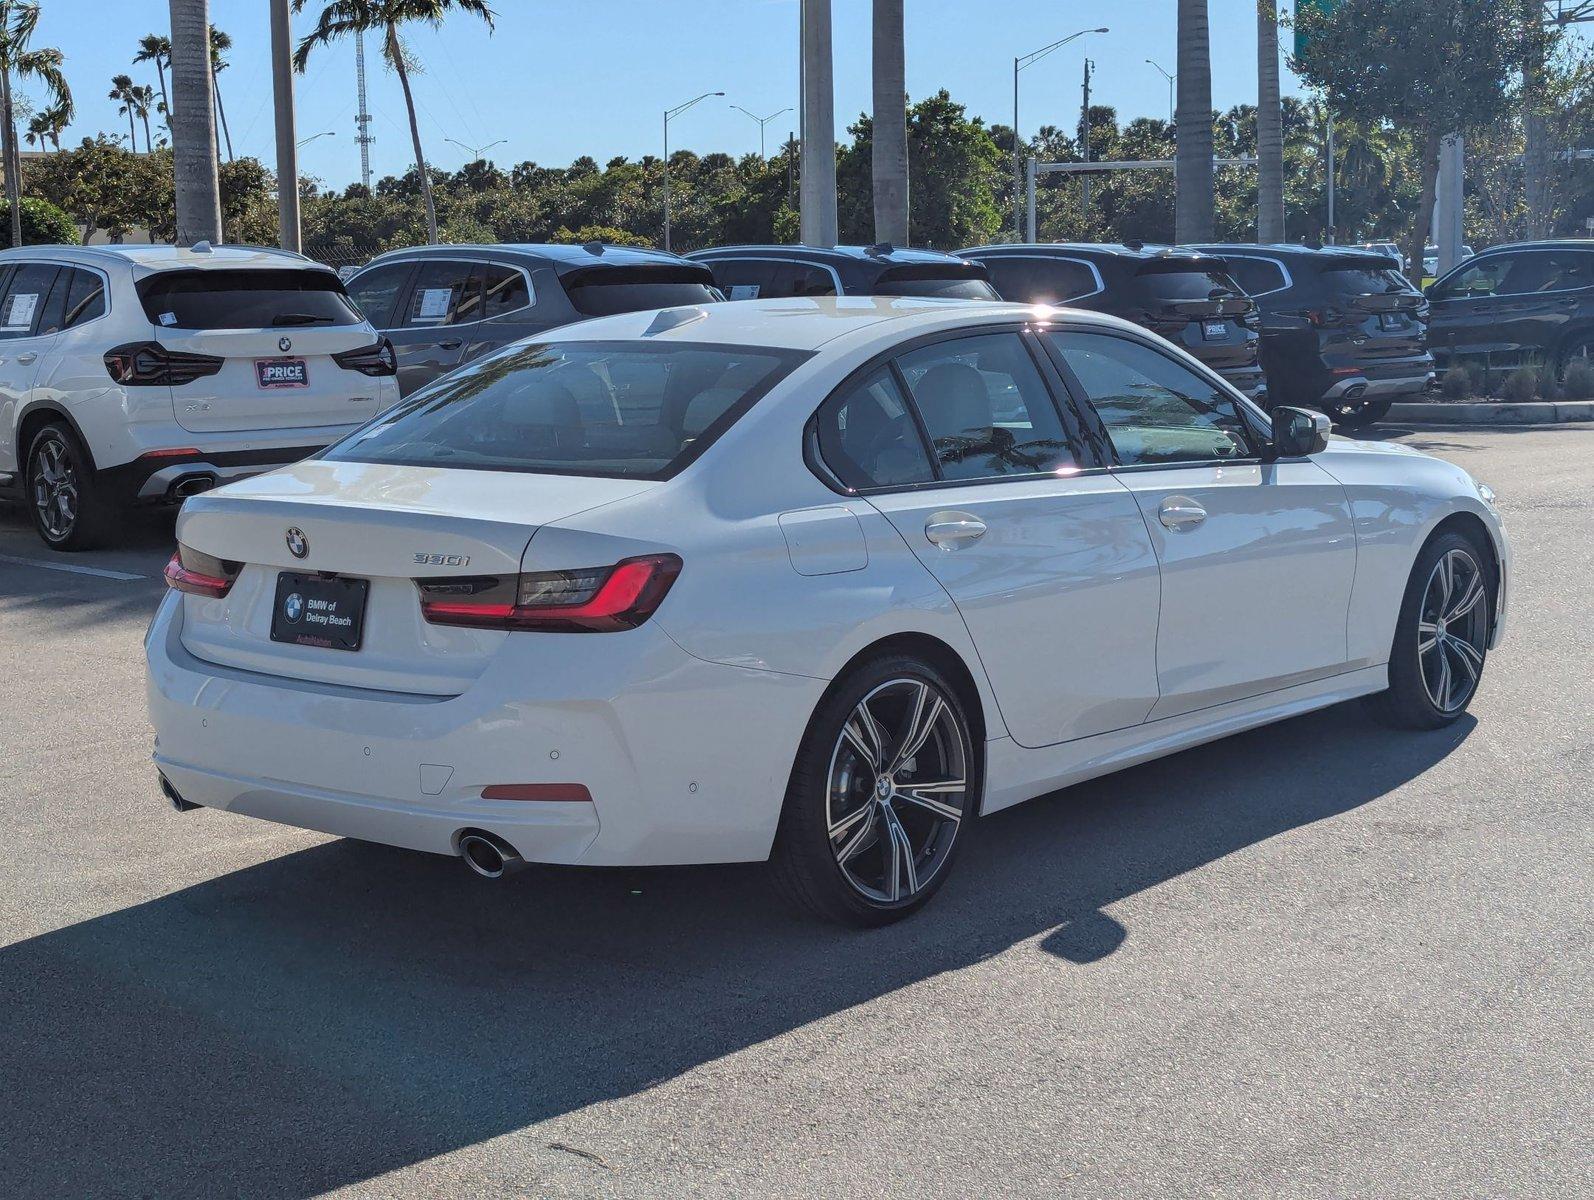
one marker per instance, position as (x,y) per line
(588,600)
(1324,316)
(149,363)
(375,360)
(200,574)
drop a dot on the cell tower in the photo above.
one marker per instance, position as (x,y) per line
(362,120)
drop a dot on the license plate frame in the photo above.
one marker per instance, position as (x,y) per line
(275,373)
(324,611)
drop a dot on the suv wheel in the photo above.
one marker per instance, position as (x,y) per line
(68,508)
(885,779)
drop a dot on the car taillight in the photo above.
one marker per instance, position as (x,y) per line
(149,363)
(588,600)
(1324,316)
(377,360)
(200,574)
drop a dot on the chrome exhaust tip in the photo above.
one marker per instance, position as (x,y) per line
(192,485)
(177,802)
(489,856)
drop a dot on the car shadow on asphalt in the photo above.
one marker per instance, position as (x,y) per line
(347,1010)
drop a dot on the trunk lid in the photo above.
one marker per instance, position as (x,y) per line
(388,526)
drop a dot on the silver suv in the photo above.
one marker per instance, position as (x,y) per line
(144,374)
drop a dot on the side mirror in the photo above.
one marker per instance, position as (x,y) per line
(1298,432)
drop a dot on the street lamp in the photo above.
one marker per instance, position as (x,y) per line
(477,153)
(1019,63)
(1172,117)
(668,113)
(313,136)
(762,121)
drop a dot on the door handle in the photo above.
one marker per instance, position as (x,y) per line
(1180,512)
(952,530)
(26,357)
(451,344)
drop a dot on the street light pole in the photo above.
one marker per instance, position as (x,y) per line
(668,113)
(476,152)
(287,145)
(325,133)
(1019,63)
(1172,118)
(762,121)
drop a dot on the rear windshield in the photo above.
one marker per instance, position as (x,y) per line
(1365,281)
(246,299)
(1163,284)
(948,283)
(609,290)
(628,410)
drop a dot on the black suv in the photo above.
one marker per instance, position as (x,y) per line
(1517,305)
(764,272)
(1343,331)
(1184,296)
(446,305)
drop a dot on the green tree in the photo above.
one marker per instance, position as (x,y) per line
(341,18)
(43,224)
(18,57)
(122,92)
(1429,67)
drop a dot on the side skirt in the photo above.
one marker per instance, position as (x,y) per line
(1014,774)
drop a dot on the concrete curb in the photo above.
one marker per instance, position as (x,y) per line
(1537,412)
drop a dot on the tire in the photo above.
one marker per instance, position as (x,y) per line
(1358,415)
(829,856)
(70,510)
(1435,666)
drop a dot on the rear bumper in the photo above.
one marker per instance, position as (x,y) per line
(686,761)
(170,479)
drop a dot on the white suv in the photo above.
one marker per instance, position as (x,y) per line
(144,374)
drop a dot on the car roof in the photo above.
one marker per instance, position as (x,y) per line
(883,254)
(1543,244)
(1324,256)
(1136,252)
(563,257)
(150,258)
(806,323)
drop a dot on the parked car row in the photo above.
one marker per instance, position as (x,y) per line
(146,374)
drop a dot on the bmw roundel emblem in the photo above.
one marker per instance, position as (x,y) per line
(293,606)
(298,544)
(285,344)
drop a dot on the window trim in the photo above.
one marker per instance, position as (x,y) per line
(1051,380)
(475,261)
(1289,279)
(835,276)
(1101,284)
(1476,259)
(1250,416)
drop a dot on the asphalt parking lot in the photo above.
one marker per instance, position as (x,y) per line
(1317,959)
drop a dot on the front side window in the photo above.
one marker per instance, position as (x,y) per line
(1155,410)
(986,408)
(1484,278)
(445,293)
(616,409)
(1041,280)
(247,298)
(867,436)
(375,291)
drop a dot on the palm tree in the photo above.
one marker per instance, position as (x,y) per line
(18,19)
(220,41)
(1193,154)
(890,161)
(143,99)
(1269,126)
(341,18)
(39,130)
(156,48)
(122,91)
(192,122)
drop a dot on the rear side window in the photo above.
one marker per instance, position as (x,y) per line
(615,409)
(259,298)
(949,282)
(1041,280)
(504,290)
(23,302)
(743,278)
(1258,276)
(85,298)
(986,408)
(610,290)
(375,291)
(867,436)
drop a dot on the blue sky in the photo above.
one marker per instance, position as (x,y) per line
(561,78)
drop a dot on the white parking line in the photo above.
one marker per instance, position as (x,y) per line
(100,572)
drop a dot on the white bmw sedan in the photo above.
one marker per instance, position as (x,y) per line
(817,581)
